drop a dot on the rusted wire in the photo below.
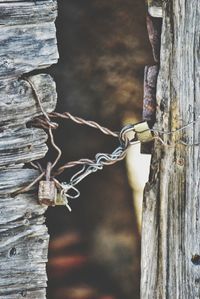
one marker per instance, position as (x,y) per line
(56,148)
(28,187)
(50,124)
(46,123)
(89,166)
(90,162)
(81,121)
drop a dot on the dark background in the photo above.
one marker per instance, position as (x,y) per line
(95,249)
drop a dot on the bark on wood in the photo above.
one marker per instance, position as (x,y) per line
(171,209)
(28,42)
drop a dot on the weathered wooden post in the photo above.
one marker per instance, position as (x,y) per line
(171,208)
(28,42)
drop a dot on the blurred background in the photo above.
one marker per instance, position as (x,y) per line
(95,250)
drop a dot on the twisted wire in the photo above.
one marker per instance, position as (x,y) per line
(101,159)
(81,121)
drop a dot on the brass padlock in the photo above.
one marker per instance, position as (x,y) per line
(47,193)
(143,132)
(62,200)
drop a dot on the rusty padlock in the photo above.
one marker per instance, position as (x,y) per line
(47,193)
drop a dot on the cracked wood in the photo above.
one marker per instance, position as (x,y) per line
(171,208)
(28,42)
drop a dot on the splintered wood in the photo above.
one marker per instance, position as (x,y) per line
(171,208)
(28,42)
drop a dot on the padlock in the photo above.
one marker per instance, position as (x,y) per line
(143,132)
(47,193)
(60,199)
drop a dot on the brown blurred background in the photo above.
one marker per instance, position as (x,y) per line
(95,249)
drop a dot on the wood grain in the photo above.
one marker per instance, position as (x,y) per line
(22,177)
(28,42)
(27,47)
(23,238)
(171,210)
(18,103)
(22,146)
(27,12)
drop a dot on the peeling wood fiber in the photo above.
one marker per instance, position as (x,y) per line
(28,42)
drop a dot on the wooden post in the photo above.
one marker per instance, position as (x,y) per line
(28,42)
(171,208)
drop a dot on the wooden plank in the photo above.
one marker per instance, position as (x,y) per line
(33,294)
(22,206)
(171,211)
(19,235)
(22,177)
(18,103)
(28,42)
(23,237)
(27,12)
(26,244)
(22,146)
(25,48)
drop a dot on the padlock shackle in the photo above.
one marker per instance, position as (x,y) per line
(48,171)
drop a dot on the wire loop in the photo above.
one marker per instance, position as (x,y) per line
(130,134)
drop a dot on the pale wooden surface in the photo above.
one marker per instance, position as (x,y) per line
(28,42)
(18,103)
(155,8)
(171,208)
(27,12)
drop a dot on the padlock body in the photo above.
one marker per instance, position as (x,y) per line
(60,200)
(143,132)
(47,193)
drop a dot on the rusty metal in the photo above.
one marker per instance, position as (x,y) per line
(154,26)
(47,192)
(81,121)
(149,102)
